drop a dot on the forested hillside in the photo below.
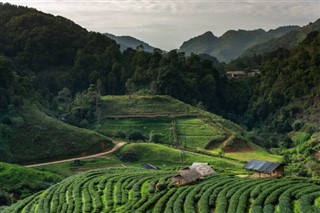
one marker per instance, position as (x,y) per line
(284,101)
(287,76)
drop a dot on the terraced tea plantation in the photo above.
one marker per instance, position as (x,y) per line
(135,190)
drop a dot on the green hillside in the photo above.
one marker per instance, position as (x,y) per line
(175,124)
(30,135)
(22,182)
(134,190)
(192,126)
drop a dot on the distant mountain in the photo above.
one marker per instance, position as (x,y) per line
(232,43)
(126,42)
(288,40)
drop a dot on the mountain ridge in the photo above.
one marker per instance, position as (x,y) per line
(288,40)
(127,41)
(232,43)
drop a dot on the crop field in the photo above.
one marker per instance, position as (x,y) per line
(191,132)
(135,190)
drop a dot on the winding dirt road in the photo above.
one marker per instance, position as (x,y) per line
(115,148)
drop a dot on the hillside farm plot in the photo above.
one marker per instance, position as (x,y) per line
(196,133)
(191,132)
(142,125)
(144,106)
(135,190)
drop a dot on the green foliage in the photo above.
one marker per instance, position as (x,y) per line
(21,182)
(156,137)
(35,136)
(136,136)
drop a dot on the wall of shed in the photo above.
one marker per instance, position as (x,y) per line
(279,171)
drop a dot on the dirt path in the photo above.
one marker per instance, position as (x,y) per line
(115,148)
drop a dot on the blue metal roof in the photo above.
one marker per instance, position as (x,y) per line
(261,166)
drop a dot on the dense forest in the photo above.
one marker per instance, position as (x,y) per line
(66,55)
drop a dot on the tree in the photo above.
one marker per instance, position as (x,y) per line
(131,87)
(65,97)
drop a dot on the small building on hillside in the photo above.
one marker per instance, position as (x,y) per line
(265,169)
(192,173)
(63,117)
(186,177)
(203,168)
(242,74)
(236,74)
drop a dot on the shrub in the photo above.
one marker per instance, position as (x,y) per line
(297,125)
(129,157)
(4,198)
(120,134)
(84,123)
(155,137)
(6,120)
(136,136)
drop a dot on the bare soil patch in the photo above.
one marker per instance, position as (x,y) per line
(239,146)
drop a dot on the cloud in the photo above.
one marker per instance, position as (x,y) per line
(167,23)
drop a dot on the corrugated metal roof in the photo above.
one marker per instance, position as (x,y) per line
(261,166)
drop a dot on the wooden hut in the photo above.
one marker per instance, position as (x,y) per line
(185,177)
(265,168)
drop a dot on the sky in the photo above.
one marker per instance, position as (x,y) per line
(166,24)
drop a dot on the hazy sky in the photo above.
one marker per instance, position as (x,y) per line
(167,23)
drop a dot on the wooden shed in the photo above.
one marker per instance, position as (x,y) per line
(265,168)
(185,177)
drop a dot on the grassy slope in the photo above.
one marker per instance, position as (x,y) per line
(165,156)
(135,105)
(195,127)
(24,181)
(41,137)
